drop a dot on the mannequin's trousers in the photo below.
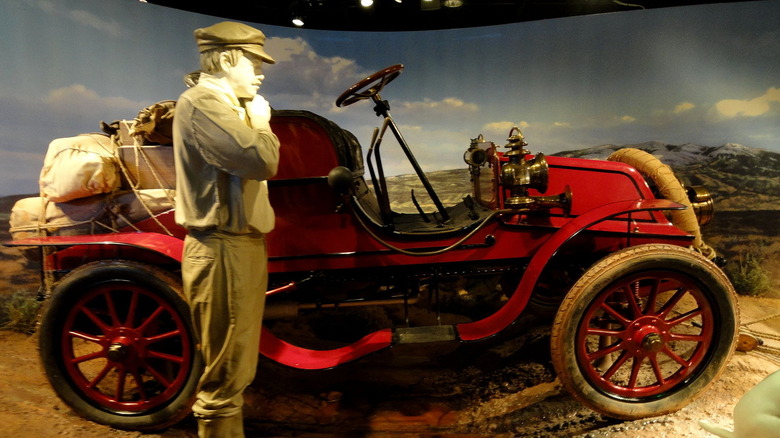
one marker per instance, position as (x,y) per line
(225,277)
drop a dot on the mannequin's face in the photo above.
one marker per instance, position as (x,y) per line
(245,77)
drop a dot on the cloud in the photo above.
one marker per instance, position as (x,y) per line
(683,107)
(759,106)
(303,79)
(285,49)
(448,104)
(499,131)
(99,23)
(79,98)
(503,126)
(29,124)
(83,18)
(449,109)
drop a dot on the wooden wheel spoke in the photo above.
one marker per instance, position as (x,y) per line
(163,336)
(616,365)
(139,383)
(631,298)
(685,316)
(159,377)
(120,385)
(604,352)
(132,309)
(87,357)
(95,319)
(672,303)
(100,376)
(651,299)
(657,369)
(686,337)
(636,367)
(615,314)
(605,332)
(684,363)
(157,312)
(86,336)
(111,308)
(165,356)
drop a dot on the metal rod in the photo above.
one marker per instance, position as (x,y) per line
(383,110)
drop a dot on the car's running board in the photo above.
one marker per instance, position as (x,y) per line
(427,334)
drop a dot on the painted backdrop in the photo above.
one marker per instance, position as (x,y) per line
(708,75)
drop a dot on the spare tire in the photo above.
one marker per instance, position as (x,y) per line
(670,188)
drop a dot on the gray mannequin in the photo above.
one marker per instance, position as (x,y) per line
(225,151)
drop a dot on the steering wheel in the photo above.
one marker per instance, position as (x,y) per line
(369,86)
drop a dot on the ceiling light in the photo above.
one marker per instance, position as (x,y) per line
(366,3)
(297,20)
(452,3)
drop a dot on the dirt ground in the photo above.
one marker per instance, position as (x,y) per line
(483,397)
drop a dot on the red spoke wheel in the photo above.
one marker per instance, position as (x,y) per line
(644,331)
(116,344)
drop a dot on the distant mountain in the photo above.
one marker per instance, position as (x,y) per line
(739,177)
(677,155)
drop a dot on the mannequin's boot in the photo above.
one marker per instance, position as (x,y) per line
(221,427)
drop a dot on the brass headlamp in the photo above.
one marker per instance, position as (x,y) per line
(477,153)
(520,174)
(702,204)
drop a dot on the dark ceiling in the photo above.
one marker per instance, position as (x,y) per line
(395,15)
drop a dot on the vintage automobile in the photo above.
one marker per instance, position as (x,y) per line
(642,318)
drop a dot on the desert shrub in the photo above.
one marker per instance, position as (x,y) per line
(748,274)
(19,311)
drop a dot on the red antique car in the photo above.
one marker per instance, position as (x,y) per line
(643,320)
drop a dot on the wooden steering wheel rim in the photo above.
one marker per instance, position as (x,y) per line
(369,86)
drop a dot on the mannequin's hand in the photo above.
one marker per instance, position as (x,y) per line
(259,112)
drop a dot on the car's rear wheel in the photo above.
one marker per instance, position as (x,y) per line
(644,331)
(117,346)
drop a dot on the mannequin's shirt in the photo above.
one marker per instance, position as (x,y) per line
(222,163)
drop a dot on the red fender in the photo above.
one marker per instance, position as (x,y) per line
(168,246)
(505,316)
(307,359)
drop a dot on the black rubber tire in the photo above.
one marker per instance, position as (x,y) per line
(594,324)
(85,293)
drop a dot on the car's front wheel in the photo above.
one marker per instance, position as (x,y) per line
(644,331)
(117,345)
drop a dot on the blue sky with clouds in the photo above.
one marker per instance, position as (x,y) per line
(702,74)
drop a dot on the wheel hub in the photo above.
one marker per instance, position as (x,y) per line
(647,336)
(653,342)
(119,350)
